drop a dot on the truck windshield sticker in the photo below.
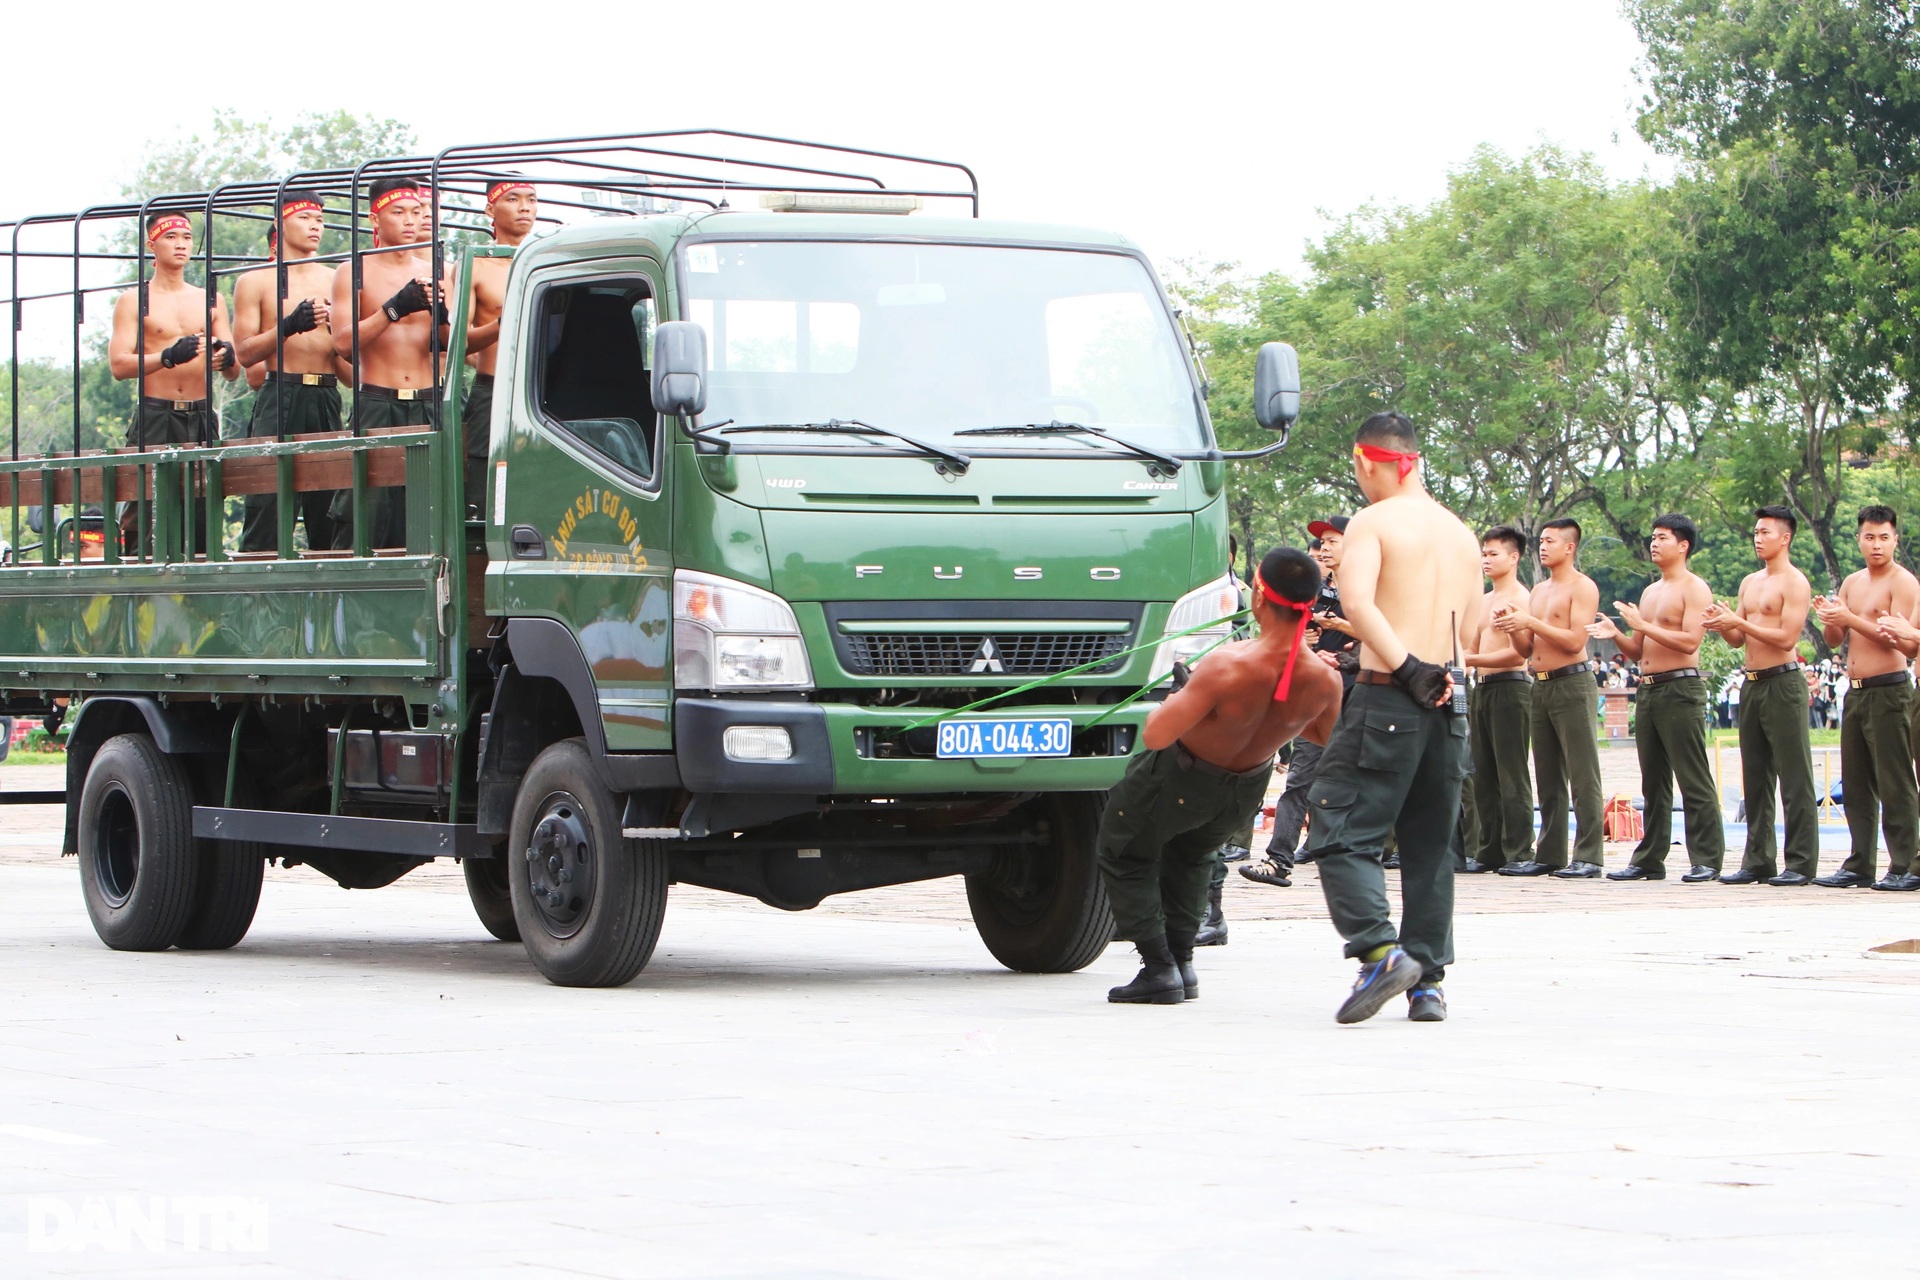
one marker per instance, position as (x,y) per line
(602,550)
(702,258)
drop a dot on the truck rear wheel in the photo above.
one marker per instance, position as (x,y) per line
(226,895)
(1042,909)
(587,901)
(138,863)
(492,896)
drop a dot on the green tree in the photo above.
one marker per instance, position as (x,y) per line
(1796,260)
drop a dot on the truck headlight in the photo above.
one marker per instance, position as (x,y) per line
(728,635)
(1216,602)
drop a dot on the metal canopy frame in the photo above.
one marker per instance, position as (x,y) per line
(702,167)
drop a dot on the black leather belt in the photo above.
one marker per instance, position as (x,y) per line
(1374,677)
(1879,682)
(1561,673)
(175,406)
(1506,677)
(482,380)
(395,393)
(305,379)
(1668,677)
(1768,673)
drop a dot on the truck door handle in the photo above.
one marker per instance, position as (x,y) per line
(528,544)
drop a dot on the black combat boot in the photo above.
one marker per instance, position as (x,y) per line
(1159,979)
(1213,930)
(1181,946)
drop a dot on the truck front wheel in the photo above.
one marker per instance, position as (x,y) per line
(138,863)
(1042,908)
(587,901)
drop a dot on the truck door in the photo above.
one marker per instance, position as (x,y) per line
(582,495)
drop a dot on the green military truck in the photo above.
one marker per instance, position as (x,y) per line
(774,497)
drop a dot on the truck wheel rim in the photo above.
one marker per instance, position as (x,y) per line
(116,846)
(560,865)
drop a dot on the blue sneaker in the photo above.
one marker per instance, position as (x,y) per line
(1379,982)
(1426,1004)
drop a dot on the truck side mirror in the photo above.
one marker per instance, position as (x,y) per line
(1276,386)
(679,368)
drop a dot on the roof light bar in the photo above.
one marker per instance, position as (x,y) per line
(830,202)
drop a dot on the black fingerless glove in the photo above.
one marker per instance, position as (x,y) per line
(299,320)
(440,314)
(411,298)
(183,350)
(1181,674)
(1346,660)
(1425,682)
(222,353)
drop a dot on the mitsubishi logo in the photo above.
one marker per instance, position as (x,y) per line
(987,659)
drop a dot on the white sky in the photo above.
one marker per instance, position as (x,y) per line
(1201,129)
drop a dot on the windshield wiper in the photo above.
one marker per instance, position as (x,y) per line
(955,462)
(1165,461)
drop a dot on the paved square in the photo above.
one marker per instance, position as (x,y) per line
(1648,1079)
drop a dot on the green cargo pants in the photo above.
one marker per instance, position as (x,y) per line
(1159,836)
(1775,749)
(1876,776)
(476,429)
(375,407)
(156,424)
(1500,726)
(306,410)
(1390,766)
(1566,756)
(1670,730)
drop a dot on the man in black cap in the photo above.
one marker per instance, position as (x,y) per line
(1290,812)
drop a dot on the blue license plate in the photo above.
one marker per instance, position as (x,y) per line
(974,739)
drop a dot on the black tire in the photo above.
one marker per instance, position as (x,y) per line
(138,863)
(1044,909)
(227,895)
(492,896)
(596,925)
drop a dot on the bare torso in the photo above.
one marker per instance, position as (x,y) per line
(1868,596)
(255,313)
(1492,649)
(1246,726)
(174,313)
(489,300)
(1428,583)
(1552,602)
(1666,605)
(1763,597)
(399,357)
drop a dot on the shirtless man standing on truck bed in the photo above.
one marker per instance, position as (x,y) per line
(303,397)
(1208,760)
(396,310)
(513,207)
(1410,585)
(181,333)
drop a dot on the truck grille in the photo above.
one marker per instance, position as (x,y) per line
(980,653)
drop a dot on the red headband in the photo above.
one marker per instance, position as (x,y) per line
(1373,453)
(1273,597)
(172,222)
(505,185)
(380,202)
(292,207)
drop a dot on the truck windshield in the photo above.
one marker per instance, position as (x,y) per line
(938,339)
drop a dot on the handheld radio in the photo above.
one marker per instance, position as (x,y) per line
(1458,671)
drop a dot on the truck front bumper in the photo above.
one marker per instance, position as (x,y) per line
(843,749)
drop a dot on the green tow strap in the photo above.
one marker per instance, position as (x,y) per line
(1129,700)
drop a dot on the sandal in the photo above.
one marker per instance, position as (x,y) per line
(1267,871)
